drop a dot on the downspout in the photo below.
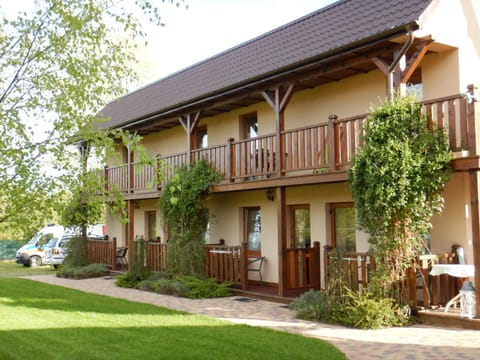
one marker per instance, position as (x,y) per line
(396,60)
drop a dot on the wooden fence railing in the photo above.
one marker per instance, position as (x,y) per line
(156,255)
(423,289)
(102,252)
(227,263)
(304,267)
(358,266)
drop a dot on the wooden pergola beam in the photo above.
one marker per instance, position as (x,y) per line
(415,59)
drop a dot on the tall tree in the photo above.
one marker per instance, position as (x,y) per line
(59,64)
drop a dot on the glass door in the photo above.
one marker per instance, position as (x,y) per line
(343,227)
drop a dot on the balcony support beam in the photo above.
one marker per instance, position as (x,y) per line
(278,102)
(282,241)
(189,124)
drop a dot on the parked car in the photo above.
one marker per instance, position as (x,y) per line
(33,252)
(55,250)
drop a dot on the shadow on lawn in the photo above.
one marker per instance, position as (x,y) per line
(227,341)
(33,294)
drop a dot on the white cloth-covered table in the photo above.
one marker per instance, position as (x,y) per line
(457,270)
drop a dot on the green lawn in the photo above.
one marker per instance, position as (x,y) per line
(40,321)
(11,269)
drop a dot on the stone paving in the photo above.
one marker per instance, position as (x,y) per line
(414,342)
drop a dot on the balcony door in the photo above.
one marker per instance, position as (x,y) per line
(151,225)
(249,126)
(253,230)
(342,226)
(300,226)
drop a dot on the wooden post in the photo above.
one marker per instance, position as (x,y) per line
(473,119)
(473,109)
(411,284)
(131,229)
(131,174)
(114,253)
(230,159)
(331,142)
(315,264)
(475,214)
(326,253)
(189,126)
(105,178)
(278,103)
(282,241)
(244,266)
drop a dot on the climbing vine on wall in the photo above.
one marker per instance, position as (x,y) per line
(397,179)
(182,203)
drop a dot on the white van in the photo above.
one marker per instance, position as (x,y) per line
(33,252)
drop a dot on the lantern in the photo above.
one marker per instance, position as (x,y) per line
(467,300)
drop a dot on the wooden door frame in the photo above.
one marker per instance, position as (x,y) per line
(291,217)
(331,213)
(245,229)
(147,224)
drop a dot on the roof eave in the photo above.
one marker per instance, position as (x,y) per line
(271,76)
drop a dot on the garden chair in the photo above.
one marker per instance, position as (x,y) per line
(255,265)
(121,256)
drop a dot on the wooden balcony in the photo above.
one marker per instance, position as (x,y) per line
(317,150)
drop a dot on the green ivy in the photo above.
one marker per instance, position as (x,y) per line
(397,179)
(182,203)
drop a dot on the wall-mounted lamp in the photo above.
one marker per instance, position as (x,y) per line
(136,205)
(270,195)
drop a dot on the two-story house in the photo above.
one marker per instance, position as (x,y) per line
(281,115)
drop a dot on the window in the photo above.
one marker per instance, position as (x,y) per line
(249,126)
(201,138)
(253,230)
(342,217)
(151,225)
(300,226)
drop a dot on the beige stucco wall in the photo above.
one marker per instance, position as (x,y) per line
(167,142)
(439,75)
(453,225)
(351,96)
(115,228)
(456,23)
(227,222)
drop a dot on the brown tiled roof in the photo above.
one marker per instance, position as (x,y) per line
(333,29)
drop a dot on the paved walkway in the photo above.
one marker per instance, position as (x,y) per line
(408,343)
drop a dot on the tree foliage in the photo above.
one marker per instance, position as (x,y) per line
(184,211)
(397,179)
(60,63)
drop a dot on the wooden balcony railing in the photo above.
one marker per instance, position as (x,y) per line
(327,147)
(357,266)
(227,263)
(423,289)
(303,267)
(431,291)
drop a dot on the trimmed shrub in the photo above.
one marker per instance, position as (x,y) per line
(184,286)
(83,272)
(312,305)
(366,311)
